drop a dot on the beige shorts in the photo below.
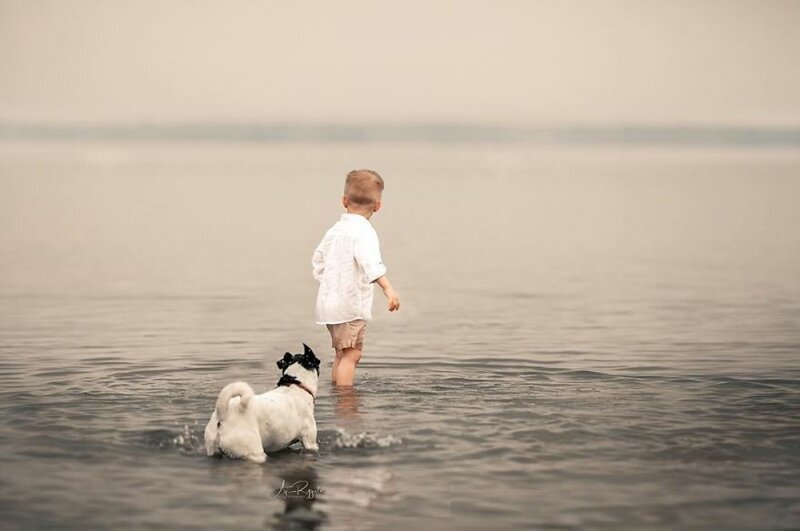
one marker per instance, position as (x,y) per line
(348,335)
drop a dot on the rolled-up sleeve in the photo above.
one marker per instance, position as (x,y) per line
(368,256)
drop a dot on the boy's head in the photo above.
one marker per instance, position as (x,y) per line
(362,192)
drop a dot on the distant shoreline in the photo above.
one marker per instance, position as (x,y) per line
(677,135)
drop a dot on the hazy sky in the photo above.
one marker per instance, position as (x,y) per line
(496,60)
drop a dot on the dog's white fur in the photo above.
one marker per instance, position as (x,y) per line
(245,425)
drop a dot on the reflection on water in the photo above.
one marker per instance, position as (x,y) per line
(347,402)
(300,491)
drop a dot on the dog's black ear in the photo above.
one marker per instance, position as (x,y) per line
(285,362)
(307,350)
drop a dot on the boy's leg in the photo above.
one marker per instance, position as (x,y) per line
(348,340)
(335,367)
(346,368)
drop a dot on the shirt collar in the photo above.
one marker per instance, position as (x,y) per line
(354,217)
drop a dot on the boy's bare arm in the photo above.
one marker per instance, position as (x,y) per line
(391,294)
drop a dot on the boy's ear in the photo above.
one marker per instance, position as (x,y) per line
(345,202)
(378,206)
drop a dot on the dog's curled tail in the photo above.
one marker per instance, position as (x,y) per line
(240,389)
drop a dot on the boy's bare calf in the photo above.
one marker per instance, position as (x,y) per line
(344,366)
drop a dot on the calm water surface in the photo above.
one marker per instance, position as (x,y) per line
(588,339)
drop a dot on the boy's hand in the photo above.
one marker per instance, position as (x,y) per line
(391,294)
(394,300)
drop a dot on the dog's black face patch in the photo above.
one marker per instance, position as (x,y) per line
(307,359)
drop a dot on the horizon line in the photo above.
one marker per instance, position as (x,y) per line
(433,132)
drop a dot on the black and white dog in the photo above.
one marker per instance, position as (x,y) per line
(245,425)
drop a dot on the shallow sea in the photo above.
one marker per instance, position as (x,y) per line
(590,338)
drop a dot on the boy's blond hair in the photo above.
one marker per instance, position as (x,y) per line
(363,188)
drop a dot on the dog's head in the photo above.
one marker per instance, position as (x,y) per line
(307,360)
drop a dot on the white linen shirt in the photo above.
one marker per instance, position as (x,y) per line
(346,263)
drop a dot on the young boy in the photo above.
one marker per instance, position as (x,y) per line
(346,263)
